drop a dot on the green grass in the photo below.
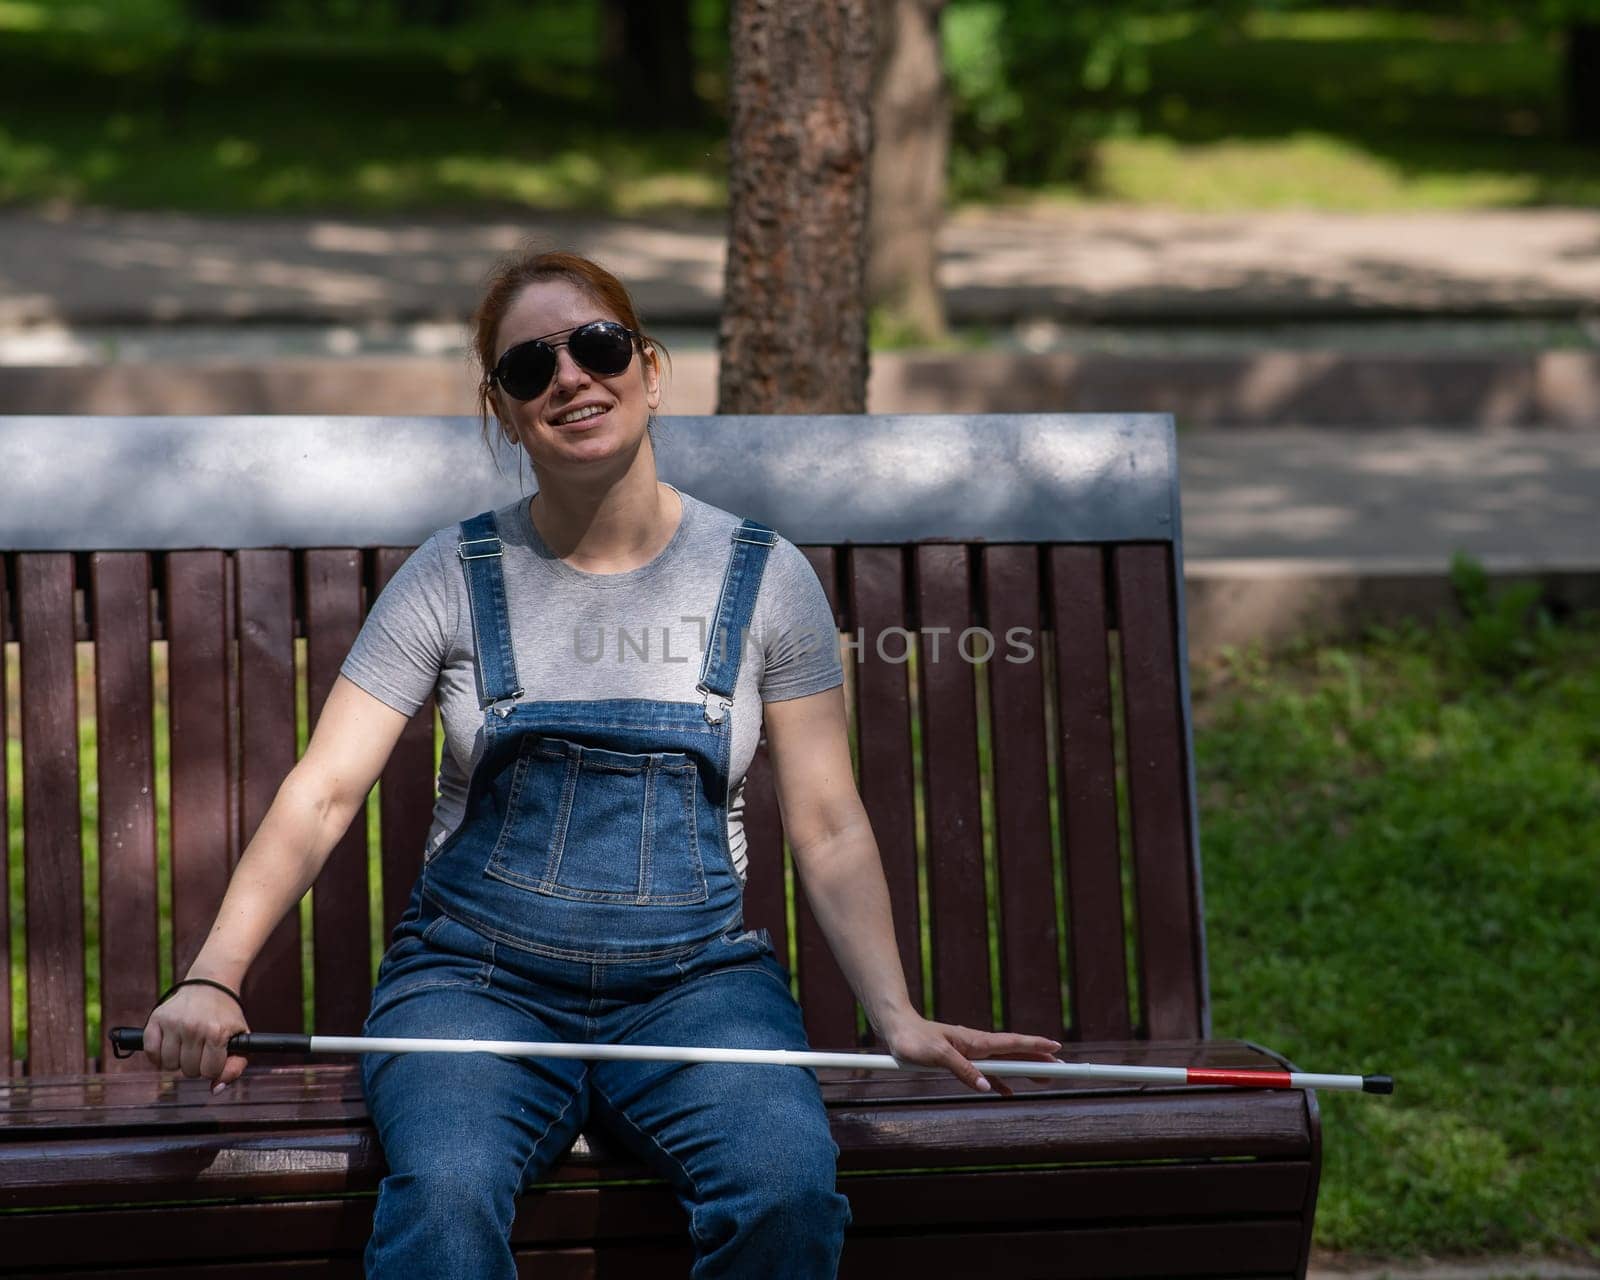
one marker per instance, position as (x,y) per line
(1350,111)
(1336,109)
(137,109)
(123,104)
(1401,842)
(1401,852)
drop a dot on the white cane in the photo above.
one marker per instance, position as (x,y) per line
(126,1041)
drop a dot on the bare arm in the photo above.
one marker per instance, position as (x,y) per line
(840,867)
(316,802)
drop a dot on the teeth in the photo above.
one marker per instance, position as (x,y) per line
(578,415)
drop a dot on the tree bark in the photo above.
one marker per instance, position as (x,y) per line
(229,13)
(1583,81)
(910,148)
(794,318)
(650,59)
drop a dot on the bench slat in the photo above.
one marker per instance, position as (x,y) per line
(1266,1247)
(198,682)
(1171,985)
(876,587)
(52,843)
(125,733)
(407,787)
(827,1002)
(343,984)
(567,1213)
(7,1055)
(949,715)
(126,1158)
(231,770)
(265,584)
(1096,965)
(1030,972)
(339,1159)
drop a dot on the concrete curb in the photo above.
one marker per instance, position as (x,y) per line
(1307,388)
(1270,602)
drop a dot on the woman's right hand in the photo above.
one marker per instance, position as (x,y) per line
(189,1032)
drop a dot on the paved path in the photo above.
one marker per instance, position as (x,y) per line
(104,267)
(1395,499)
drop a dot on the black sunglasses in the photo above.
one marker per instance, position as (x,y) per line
(601,346)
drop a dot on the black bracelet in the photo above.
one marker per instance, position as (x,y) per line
(200,982)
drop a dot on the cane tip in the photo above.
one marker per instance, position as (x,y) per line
(1377,1084)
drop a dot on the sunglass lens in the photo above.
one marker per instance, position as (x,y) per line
(525,370)
(602,348)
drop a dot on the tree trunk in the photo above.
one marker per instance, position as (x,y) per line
(794,318)
(910,146)
(229,13)
(1583,81)
(649,58)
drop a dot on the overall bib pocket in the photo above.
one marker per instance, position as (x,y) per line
(591,825)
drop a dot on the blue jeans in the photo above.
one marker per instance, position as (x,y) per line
(745,1147)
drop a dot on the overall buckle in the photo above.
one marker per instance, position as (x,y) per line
(502,706)
(499,548)
(724,705)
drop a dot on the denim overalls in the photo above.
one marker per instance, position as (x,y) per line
(588,895)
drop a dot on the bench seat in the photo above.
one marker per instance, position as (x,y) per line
(286,1168)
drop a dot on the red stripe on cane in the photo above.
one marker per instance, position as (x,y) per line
(1258,1079)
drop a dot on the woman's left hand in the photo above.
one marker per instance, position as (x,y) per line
(941,1044)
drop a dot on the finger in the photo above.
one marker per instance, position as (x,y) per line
(189,1057)
(966,1042)
(999,1045)
(963,1070)
(1011,1043)
(171,1048)
(152,1042)
(213,1057)
(231,1071)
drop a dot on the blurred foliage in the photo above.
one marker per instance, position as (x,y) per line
(1505,631)
(391,105)
(1038,83)
(1044,92)
(136,104)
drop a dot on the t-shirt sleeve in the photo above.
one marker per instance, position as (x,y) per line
(800,638)
(402,645)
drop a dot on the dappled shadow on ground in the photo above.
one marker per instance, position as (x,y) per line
(1405,496)
(100,266)
(996,265)
(1145,263)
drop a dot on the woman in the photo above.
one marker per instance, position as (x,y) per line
(583,878)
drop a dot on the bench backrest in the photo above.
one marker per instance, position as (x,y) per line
(1057,871)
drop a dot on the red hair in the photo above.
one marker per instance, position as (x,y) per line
(528,266)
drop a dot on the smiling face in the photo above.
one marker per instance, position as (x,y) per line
(581,418)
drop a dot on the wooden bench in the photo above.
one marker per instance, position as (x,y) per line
(1036,816)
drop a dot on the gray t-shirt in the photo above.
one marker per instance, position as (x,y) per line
(588,636)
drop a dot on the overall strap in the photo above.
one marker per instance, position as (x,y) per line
(741,584)
(480,552)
